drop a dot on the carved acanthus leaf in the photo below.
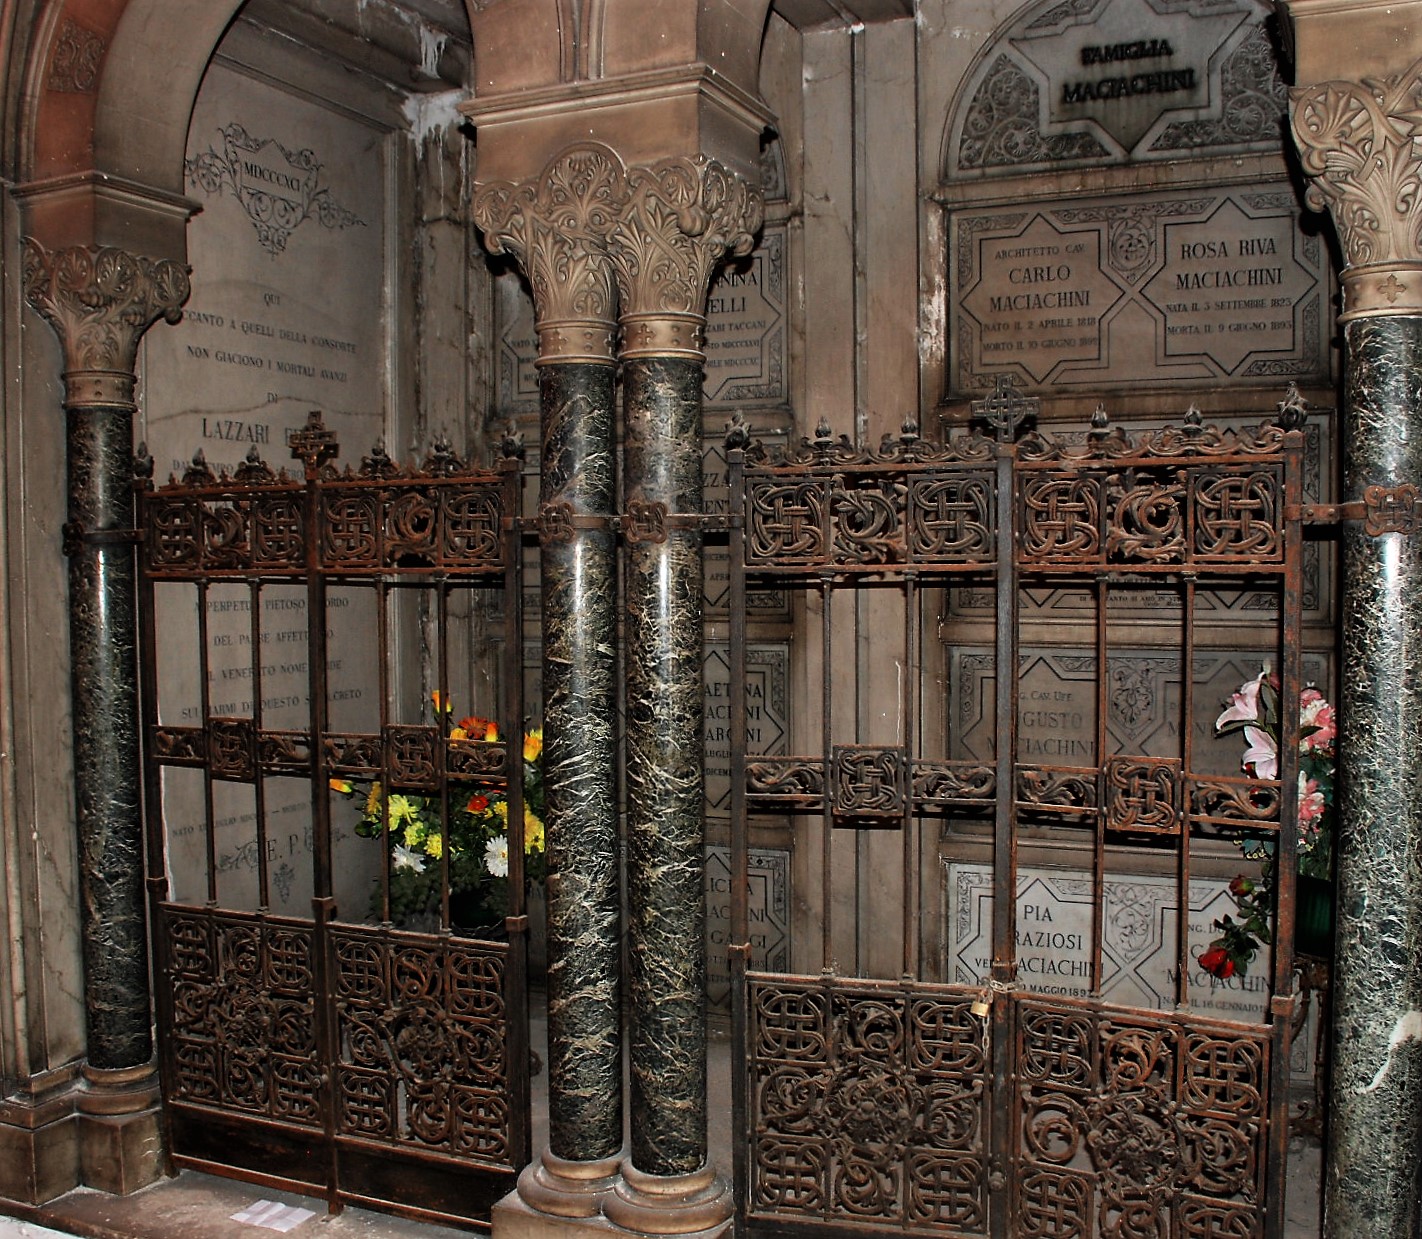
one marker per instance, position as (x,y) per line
(100,300)
(555,226)
(683,216)
(1360,147)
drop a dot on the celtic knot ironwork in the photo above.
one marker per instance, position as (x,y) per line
(785,522)
(952,782)
(1144,794)
(412,754)
(868,780)
(232,748)
(770,778)
(868,1102)
(951,519)
(1152,1125)
(1062,517)
(868,522)
(1237,516)
(1390,509)
(1146,520)
(243,1020)
(424,1055)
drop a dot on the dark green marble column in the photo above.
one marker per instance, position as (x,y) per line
(665,792)
(580,734)
(1375,1103)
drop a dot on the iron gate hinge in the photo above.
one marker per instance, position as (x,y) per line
(73,537)
(1382,509)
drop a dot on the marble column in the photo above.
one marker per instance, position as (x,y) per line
(682,216)
(100,301)
(1359,147)
(554,227)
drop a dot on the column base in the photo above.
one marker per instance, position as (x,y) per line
(568,1189)
(681,1204)
(120,1129)
(39,1145)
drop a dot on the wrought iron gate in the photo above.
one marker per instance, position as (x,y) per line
(306,1042)
(901,1102)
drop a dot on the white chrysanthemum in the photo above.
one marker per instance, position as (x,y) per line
(496,856)
(404,858)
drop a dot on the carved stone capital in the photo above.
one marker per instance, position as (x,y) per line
(555,226)
(1361,146)
(683,215)
(100,301)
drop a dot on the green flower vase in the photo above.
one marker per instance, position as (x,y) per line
(1313,916)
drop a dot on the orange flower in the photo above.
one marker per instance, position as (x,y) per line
(477,803)
(476,728)
(441,704)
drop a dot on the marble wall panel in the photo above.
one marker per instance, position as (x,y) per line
(767,713)
(769,915)
(289,313)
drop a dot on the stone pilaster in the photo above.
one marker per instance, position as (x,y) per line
(100,301)
(682,217)
(555,226)
(1359,145)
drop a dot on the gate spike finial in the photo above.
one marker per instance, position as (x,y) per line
(1293,409)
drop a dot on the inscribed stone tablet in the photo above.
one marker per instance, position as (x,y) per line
(769,915)
(1149,289)
(767,713)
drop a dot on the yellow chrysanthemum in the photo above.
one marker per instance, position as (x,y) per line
(458,733)
(533,834)
(533,744)
(434,846)
(372,802)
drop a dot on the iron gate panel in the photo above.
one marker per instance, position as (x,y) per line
(374,1064)
(911,1104)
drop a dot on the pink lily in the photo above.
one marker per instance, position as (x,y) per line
(1262,753)
(1244,705)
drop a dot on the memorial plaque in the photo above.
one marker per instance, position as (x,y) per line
(767,712)
(745,333)
(761,604)
(1056,723)
(745,327)
(769,916)
(1138,950)
(1111,81)
(285,316)
(1150,289)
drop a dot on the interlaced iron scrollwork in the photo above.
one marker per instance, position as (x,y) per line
(869,1105)
(422,1032)
(1130,1120)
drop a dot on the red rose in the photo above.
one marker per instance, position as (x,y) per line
(1241,886)
(1217,963)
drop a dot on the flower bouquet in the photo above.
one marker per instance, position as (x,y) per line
(1254,712)
(476,840)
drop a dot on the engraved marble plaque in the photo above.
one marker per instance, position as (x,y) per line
(1057,698)
(1111,81)
(745,327)
(1138,953)
(761,604)
(769,915)
(1150,289)
(745,333)
(767,713)
(285,316)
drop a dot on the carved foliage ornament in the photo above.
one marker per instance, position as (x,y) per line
(100,300)
(660,229)
(556,228)
(1359,147)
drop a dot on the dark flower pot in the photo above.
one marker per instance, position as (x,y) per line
(1313,916)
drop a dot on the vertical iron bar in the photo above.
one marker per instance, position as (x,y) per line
(1004,915)
(323,901)
(157,853)
(827,960)
(909,702)
(441,704)
(1282,997)
(259,790)
(516,979)
(1103,792)
(1187,786)
(205,703)
(738,948)
(382,636)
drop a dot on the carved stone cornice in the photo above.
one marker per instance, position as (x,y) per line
(100,301)
(683,215)
(555,226)
(1361,146)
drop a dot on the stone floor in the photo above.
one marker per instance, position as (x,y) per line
(198,1205)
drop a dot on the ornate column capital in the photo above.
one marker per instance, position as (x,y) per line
(683,215)
(100,300)
(555,226)
(1361,146)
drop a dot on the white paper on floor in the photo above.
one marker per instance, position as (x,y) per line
(273,1215)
